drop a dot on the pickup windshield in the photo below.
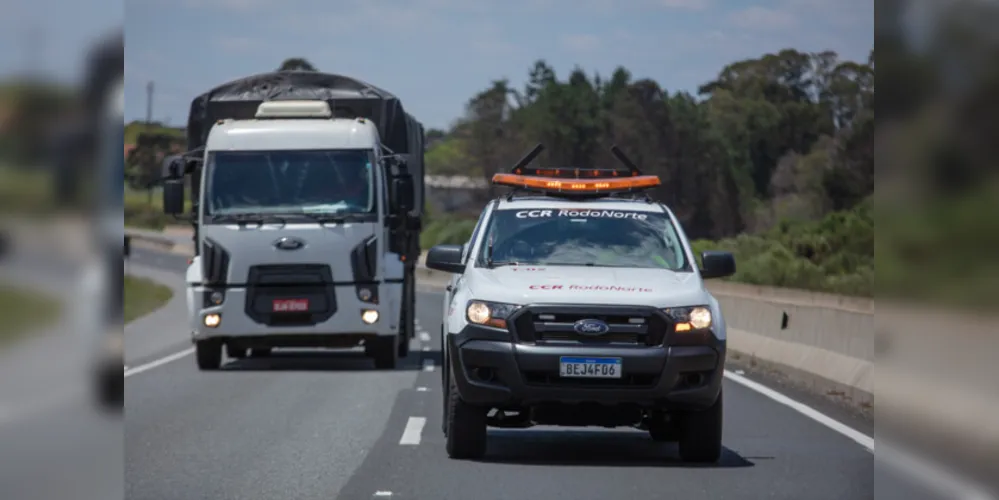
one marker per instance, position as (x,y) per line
(583,237)
(289,182)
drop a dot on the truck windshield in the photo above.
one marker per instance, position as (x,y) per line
(583,237)
(288,182)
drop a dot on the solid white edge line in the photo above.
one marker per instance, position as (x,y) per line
(861,438)
(413,433)
(159,362)
(930,474)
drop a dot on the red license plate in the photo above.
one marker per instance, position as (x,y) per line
(290,305)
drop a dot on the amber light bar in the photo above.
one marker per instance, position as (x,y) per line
(577,185)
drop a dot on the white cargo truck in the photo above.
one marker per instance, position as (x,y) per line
(306,218)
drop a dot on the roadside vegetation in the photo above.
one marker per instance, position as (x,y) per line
(25,312)
(143,296)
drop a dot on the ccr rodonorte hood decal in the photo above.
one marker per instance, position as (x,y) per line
(585,285)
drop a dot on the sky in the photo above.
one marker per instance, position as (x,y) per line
(436,54)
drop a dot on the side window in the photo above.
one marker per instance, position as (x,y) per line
(475,234)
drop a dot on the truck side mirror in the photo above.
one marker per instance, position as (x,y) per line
(403,188)
(173,196)
(717,264)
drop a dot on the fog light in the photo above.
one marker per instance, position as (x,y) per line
(217,298)
(212,320)
(369,316)
(364,294)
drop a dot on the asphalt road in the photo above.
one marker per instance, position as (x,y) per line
(328,425)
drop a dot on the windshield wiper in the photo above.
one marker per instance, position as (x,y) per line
(503,263)
(246,218)
(325,218)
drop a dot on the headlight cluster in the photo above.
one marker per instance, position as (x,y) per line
(687,319)
(492,314)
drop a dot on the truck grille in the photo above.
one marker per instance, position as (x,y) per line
(312,282)
(540,325)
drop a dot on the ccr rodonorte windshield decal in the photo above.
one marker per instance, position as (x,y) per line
(581,213)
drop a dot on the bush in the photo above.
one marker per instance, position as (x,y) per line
(834,255)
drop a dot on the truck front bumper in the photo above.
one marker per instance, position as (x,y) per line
(490,369)
(342,325)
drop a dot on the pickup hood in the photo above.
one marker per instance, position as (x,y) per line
(252,246)
(586,285)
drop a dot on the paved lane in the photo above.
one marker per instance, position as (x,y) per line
(295,425)
(328,425)
(771,452)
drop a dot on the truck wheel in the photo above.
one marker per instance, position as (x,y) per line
(385,351)
(466,426)
(701,434)
(208,354)
(234,352)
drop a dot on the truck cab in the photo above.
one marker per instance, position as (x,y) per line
(295,215)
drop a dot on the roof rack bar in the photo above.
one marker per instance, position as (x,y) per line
(529,157)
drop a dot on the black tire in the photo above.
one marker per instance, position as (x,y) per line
(260,352)
(407,328)
(384,350)
(445,370)
(208,354)
(466,432)
(402,350)
(663,431)
(701,434)
(234,352)
(110,389)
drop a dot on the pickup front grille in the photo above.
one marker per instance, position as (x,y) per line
(638,326)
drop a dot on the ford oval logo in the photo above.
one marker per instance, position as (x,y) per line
(289,244)
(591,327)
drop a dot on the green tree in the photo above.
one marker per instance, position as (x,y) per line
(296,64)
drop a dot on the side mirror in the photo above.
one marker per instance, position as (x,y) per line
(403,188)
(717,264)
(173,196)
(446,258)
(173,167)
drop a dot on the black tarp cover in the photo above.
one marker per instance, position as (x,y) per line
(348,97)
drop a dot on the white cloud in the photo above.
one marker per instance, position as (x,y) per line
(580,42)
(762,18)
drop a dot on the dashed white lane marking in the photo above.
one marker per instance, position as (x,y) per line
(426,348)
(428,365)
(931,474)
(413,433)
(383,494)
(159,362)
(424,337)
(421,389)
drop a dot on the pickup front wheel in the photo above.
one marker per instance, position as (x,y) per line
(701,434)
(466,432)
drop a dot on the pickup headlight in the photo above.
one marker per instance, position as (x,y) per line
(686,319)
(492,314)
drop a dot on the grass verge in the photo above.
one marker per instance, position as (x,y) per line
(24,311)
(143,296)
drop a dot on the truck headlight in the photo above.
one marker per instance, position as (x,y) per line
(686,319)
(492,314)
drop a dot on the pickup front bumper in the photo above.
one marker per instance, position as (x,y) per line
(502,369)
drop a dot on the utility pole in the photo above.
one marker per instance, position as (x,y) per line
(149,105)
(149,129)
